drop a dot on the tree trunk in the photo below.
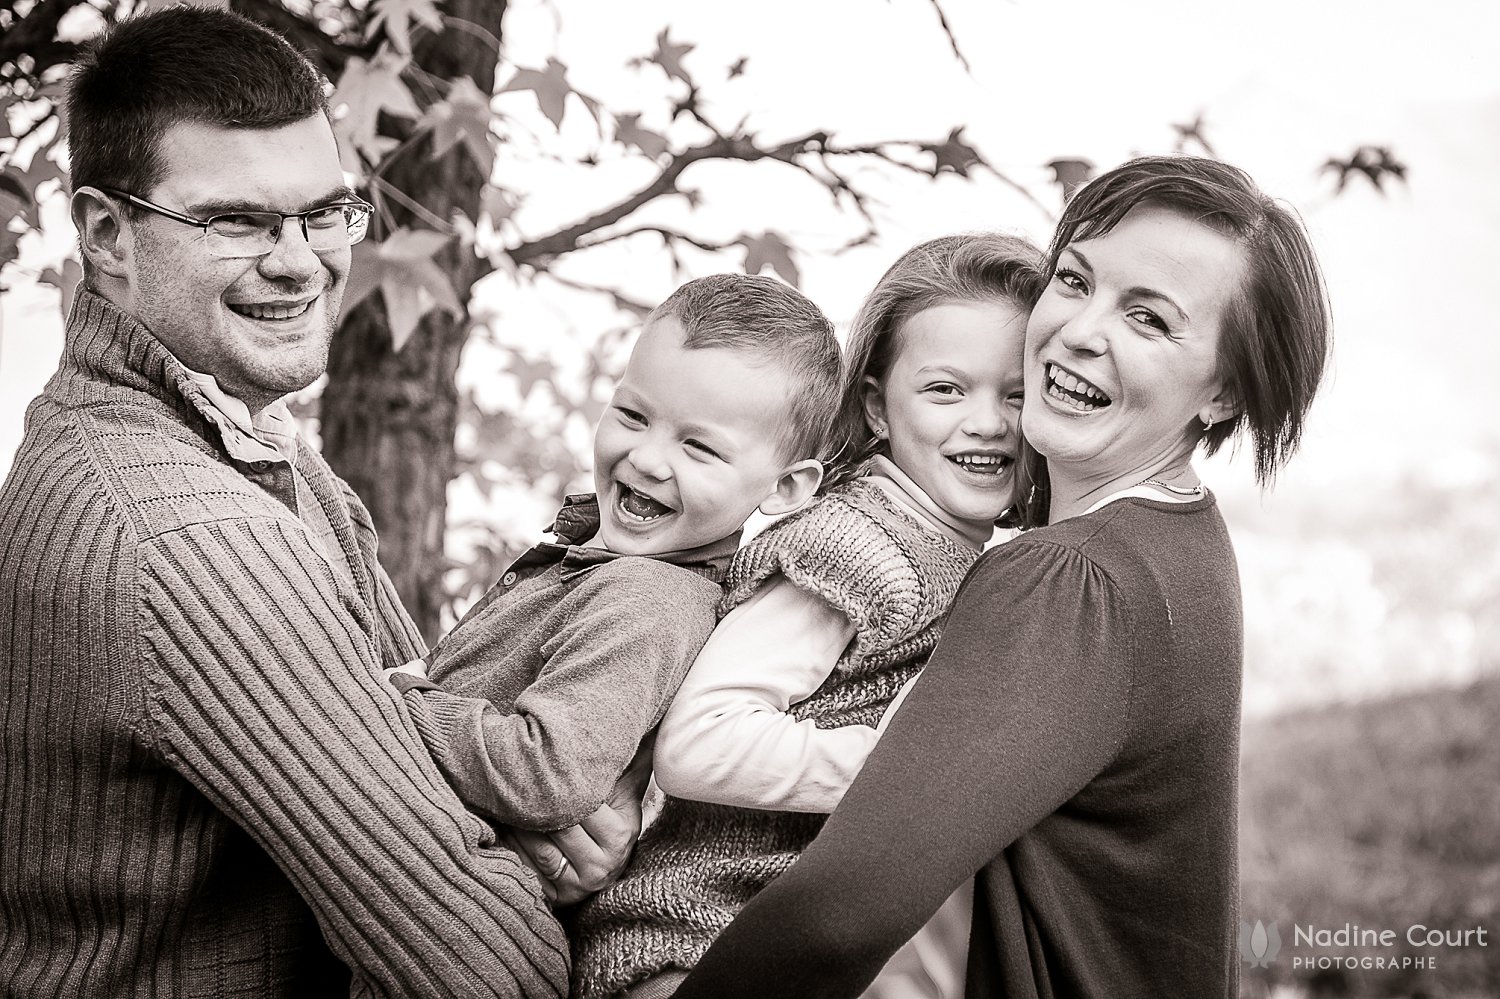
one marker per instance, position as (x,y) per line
(388,420)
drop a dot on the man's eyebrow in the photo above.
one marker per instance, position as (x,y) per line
(221,206)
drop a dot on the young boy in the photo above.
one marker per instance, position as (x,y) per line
(540,697)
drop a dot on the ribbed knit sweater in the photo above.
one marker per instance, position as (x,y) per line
(206,788)
(698,865)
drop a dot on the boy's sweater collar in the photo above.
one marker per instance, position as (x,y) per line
(578,521)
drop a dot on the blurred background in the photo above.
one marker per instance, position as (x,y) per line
(547,172)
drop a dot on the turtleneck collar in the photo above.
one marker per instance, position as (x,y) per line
(913,499)
(105,342)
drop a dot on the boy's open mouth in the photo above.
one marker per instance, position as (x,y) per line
(1069,389)
(982,463)
(639,507)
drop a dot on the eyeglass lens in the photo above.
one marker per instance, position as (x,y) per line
(245,234)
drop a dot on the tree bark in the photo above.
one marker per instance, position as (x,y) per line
(388,420)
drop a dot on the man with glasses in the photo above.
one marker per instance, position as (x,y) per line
(205,786)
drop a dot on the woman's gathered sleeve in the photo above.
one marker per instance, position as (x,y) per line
(1023,702)
(728,739)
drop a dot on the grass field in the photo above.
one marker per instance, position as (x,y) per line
(1383,815)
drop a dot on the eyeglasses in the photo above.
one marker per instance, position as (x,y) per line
(255,234)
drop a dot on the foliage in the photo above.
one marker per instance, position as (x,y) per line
(1381,815)
(414,109)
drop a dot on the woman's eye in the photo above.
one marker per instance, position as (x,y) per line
(1151,319)
(1070,279)
(700,447)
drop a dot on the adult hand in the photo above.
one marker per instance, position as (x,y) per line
(580,860)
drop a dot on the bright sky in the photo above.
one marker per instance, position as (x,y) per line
(1283,84)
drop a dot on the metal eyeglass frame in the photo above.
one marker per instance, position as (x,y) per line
(301,217)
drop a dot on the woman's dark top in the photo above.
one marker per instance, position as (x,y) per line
(1074,740)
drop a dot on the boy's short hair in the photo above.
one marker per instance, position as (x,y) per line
(149,73)
(773,321)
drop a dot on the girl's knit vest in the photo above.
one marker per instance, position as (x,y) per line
(698,865)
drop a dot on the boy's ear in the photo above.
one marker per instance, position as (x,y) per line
(874,401)
(795,489)
(103,236)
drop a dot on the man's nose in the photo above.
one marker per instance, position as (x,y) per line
(292,258)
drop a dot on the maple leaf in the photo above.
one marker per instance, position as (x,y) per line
(463,117)
(528,372)
(954,154)
(498,203)
(628,131)
(365,89)
(738,68)
(769,249)
(1070,174)
(395,18)
(409,280)
(10,243)
(669,57)
(1375,163)
(550,86)
(65,281)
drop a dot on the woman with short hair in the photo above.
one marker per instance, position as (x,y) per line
(1074,740)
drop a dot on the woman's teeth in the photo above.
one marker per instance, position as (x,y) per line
(271,311)
(640,507)
(983,464)
(1074,391)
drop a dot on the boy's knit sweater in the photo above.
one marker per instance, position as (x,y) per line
(700,862)
(205,788)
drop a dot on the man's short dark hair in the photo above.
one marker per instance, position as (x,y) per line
(193,64)
(779,325)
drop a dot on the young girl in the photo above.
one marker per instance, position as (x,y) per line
(828,614)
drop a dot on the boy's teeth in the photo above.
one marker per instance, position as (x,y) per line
(641,506)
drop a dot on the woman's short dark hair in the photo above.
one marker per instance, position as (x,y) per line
(1278,329)
(149,73)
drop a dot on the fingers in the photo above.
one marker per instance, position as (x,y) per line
(538,853)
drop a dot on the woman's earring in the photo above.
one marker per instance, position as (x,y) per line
(880,433)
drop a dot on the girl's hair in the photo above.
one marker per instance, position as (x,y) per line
(1278,330)
(968,267)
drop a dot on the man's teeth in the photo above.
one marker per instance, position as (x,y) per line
(1074,391)
(640,507)
(984,464)
(271,311)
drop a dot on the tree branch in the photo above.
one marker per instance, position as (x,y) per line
(36,35)
(329,53)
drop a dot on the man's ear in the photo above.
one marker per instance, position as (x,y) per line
(873,398)
(103,235)
(795,489)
